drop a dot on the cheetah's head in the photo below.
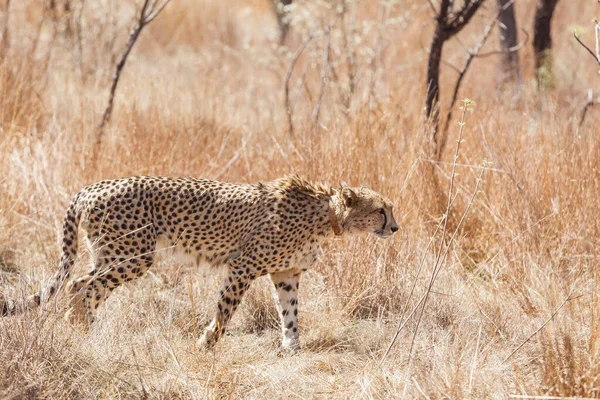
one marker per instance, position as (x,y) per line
(360,210)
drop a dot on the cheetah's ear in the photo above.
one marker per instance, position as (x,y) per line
(349,196)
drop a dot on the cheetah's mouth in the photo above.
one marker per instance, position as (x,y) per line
(382,235)
(381,232)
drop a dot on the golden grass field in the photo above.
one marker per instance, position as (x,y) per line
(202,95)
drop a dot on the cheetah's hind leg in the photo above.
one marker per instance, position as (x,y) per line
(88,292)
(78,301)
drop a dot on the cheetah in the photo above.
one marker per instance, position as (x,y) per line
(273,228)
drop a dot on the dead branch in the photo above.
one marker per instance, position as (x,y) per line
(150,10)
(324,80)
(288,76)
(350,54)
(542,326)
(384,14)
(509,50)
(302,84)
(590,103)
(596,55)
(435,12)
(471,55)
(288,107)
(448,24)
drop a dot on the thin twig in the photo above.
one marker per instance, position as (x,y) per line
(384,13)
(466,166)
(512,49)
(448,25)
(139,375)
(474,360)
(149,12)
(288,76)
(349,52)
(402,322)
(590,103)
(452,66)
(435,12)
(441,258)
(324,73)
(541,327)
(596,56)
(471,55)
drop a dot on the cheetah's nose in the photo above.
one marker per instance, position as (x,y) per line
(394,229)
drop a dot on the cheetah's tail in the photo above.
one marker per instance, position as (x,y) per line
(69,248)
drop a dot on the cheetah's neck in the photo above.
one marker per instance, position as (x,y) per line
(337,214)
(334,219)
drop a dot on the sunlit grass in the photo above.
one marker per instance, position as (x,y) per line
(203,95)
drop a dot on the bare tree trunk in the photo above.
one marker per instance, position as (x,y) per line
(449,22)
(509,64)
(433,81)
(279,7)
(542,42)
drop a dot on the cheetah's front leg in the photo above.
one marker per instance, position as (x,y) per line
(232,291)
(287,284)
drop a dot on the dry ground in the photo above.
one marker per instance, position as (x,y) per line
(203,95)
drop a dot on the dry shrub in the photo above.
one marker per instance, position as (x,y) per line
(570,369)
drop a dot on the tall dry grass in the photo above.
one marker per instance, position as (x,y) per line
(203,95)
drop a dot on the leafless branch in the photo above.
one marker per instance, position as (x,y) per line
(302,84)
(442,254)
(384,13)
(154,11)
(79,35)
(590,103)
(448,25)
(463,17)
(402,322)
(509,50)
(288,76)
(435,12)
(295,57)
(452,66)
(150,10)
(541,327)
(442,15)
(324,73)
(350,54)
(471,55)
(597,54)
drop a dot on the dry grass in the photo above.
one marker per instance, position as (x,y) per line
(202,95)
